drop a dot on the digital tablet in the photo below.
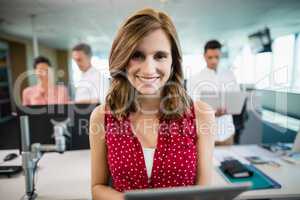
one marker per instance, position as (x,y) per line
(189,193)
(232,102)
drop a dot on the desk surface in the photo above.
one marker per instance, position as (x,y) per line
(67,176)
(288,175)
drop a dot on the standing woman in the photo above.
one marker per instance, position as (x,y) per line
(149,133)
(45,91)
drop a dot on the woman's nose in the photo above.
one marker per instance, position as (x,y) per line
(149,66)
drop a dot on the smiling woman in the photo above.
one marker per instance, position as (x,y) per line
(153,135)
(150,66)
(147,42)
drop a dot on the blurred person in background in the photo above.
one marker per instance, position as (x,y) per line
(87,89)
(213,80)
(45,91)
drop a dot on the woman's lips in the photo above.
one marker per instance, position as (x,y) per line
(148,79)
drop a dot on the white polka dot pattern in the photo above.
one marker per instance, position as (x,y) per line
(175,157)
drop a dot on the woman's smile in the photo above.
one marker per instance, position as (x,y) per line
(148,79)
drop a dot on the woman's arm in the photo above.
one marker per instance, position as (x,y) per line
(205,122)
(99,167)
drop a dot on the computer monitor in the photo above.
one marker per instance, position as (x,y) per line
(9,134)
(261,41)
(42,117)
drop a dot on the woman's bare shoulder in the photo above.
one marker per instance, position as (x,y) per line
(97,124)
(98,114)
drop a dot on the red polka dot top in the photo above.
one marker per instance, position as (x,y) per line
(175,156)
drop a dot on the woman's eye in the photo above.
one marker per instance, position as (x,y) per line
(160,56)
(137,56)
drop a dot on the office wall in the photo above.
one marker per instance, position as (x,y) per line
(21,59)
(18,61)
(58,57)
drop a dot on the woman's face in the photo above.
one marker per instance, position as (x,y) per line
(150,65)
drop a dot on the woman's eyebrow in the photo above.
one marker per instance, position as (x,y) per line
(164,52)
(153,52)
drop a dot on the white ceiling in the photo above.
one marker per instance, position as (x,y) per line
(63,23)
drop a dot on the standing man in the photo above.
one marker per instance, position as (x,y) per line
(214,80)
(88,88)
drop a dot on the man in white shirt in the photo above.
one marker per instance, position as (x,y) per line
(214,80)
(88,87)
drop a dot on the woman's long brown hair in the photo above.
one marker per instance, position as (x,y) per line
(121,98)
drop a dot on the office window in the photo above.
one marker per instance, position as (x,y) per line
(101,64)
(252,68)
(243,66)
(275,71)
(192,64)
(283,55)
(262,69)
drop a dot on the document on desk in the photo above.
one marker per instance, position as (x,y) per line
(232,102)
(242,153)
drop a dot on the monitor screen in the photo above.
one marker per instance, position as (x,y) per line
(261,41)
(42,118)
